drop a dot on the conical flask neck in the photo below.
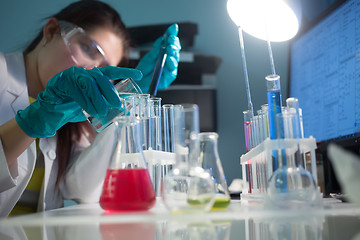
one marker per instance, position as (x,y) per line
(127,151)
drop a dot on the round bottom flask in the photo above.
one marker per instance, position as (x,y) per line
(292,187)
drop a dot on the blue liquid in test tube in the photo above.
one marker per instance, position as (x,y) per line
(274,107)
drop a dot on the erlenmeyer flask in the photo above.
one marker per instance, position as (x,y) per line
(210,160)
(127,185)
(187,188)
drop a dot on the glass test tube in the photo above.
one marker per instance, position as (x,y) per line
(248,144)
(274,107)
(129,106)
(155,143)
(247,129)
(254,132)
(265,112)
(261,126)
(142,111)
(293,103)
(168,128)
(142,104)
(155,123)
(293,107)
(168,135)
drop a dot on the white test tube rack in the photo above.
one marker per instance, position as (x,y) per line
(257,165)
(158,164)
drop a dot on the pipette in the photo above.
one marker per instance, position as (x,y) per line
(273,99)
(250,105)
(159,66)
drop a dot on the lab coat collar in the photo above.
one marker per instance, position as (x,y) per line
(16,73)
(17,77)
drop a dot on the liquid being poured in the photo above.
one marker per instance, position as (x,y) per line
(127,190)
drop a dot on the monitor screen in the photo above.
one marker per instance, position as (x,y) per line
(325,74)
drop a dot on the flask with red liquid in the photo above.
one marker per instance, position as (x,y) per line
(127,185)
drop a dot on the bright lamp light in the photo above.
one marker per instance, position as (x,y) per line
(273,20)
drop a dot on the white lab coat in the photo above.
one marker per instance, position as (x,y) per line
(84,179)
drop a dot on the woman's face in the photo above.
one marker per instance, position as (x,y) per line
(55,55)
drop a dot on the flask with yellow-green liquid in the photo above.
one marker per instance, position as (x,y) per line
(209,159)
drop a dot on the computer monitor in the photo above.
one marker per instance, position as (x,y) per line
(324,75)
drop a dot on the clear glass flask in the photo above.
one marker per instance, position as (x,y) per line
(290,186)
(210,160)
(127,185)
(187,188)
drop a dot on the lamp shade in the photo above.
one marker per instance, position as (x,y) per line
(273,20)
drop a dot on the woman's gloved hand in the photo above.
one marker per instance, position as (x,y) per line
(147,63)
(67,94)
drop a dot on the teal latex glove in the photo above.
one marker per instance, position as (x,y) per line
(147,63)
(67,94)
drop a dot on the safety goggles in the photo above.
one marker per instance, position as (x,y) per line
(84,51)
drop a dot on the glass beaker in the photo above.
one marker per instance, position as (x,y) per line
(187,188)
(126,87)
(127,185)
(210,160)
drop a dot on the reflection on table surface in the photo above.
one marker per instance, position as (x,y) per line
(241,220)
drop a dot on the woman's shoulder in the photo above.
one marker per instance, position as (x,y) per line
(2,63)
(3,71)
(12,71)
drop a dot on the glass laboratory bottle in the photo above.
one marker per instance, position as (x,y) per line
(127,185)
(210,160)
(187,188)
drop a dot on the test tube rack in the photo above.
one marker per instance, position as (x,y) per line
(257,164)
(159,163)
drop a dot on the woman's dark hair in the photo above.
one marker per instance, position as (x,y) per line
(87,14)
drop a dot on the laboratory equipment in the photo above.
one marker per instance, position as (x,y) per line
(159,66)
(187,188)
(284,150)
(292,105)
(273,100)
(125,88)
(274,107)
(155,123)
(168,137)
(158,158)
(247,85)
(153,149)
(247,130)
(210,160)
(167,114)
(127,185)
(265,112)
(291,186)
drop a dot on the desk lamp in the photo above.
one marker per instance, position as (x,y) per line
(270,20)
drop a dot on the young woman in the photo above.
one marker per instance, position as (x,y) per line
(48,152)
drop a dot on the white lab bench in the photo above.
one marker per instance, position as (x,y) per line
(242,220)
